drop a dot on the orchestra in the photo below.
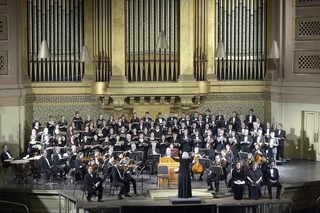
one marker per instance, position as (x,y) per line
(240,145)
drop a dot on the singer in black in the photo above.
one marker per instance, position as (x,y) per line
(93,184)
(184,181)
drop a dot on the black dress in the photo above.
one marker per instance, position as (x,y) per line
(255,189)
(238,188)
(184,181)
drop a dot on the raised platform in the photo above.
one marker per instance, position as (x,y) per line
(191,200)
(299,177)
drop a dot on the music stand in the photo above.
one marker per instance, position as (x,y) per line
(243,155)
(217,170)
(152,159)
(116,154)
(134,154)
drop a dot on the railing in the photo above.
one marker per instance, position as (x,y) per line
(7,206)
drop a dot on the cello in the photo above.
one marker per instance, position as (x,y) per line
(197,167)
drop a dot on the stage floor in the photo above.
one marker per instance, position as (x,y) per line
(295,172)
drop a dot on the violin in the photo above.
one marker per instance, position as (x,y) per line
(85,159)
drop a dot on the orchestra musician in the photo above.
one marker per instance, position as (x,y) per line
(118,180)
(217,177)
(196,166)
(46,167)
(93,184)
(58,164)
(153,151)
(6,156)
(126,167)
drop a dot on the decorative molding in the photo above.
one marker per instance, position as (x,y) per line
(4,67)
(306,28)
(307,3)
(306,62)
(3,27)
(238,97)
(3,2)
(59,99)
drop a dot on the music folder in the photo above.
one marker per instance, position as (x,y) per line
(217,170)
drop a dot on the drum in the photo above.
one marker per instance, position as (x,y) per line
(20,166)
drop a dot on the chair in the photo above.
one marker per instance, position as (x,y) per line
(79,182)
(109,182)
(163,173)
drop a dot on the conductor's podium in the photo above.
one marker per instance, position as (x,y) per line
(172,167)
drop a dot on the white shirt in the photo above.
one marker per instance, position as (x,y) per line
(8,154)
(47,161)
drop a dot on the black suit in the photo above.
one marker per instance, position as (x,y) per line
(89,181)
(253,119)
(275,176)
(281,136)
(4,157)
(117,180)
(46,168)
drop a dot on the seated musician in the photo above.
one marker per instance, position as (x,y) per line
(5,155)
(98,158)
(58,164)
(224,163)
(196,166)
(117,178)
(168,153)
(272,179)
(255,179)
(81,164)
(127,169)
(153,151)
(46,167)
(93,184)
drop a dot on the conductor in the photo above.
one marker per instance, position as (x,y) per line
(184,181)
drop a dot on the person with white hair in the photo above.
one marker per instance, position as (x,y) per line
(184,181)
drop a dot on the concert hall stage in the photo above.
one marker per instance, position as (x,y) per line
(300,178)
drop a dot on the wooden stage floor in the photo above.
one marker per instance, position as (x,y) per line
(295,172)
